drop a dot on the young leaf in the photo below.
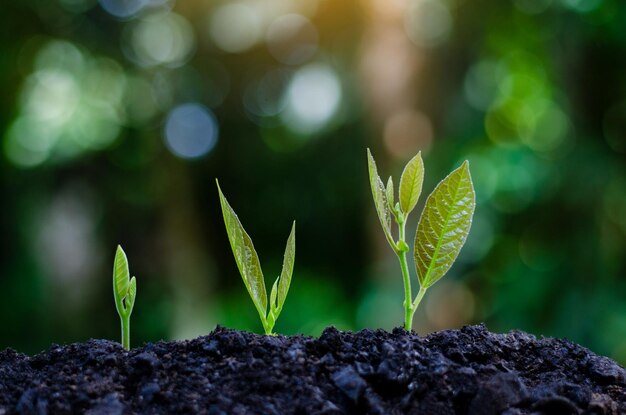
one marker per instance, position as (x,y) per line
(124,292)
(287,271)
(444,225)
(380,198)
(389,193)
(273,294)
(121,277)
(245,256)
(411,183)
(132,292)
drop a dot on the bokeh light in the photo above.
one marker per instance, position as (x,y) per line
(71,103)
(313,98)
(264,97)
(128,8)
(292,39)
(481,83)
(191,131)
(67,243)
(162,38)
(235,27)
(428,23)
(407,132)
(140,100)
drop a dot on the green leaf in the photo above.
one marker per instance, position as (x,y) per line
(389,193)
(444,225)
(380,199)
(411,183)
(132,292)
(245,256)
(273,294)
(287,271)
(121,277)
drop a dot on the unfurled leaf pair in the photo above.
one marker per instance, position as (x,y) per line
(442,228)
(409,192)
(124,292)
(250,268)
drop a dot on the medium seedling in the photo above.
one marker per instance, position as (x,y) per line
(442,228)
(124,291)
(250,267)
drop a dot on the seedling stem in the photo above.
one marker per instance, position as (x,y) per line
(401,251)
(126,332)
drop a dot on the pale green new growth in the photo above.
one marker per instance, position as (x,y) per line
(411,183)
(250,268)
(442,229)
(124,292)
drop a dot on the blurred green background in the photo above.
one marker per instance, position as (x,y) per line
(116,116)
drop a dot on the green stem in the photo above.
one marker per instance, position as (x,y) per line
(408,307)
(126,332)
(268,323)
(418,300)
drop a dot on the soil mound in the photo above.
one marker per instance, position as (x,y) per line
(466,371)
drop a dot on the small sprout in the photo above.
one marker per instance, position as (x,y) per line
(124,292)
(250,268)
(442,229)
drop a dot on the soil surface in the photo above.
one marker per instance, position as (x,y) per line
(467,371)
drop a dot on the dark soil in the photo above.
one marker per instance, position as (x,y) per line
(467,371)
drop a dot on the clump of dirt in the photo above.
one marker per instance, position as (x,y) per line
(466,371)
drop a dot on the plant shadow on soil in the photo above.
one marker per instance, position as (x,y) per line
(466,371)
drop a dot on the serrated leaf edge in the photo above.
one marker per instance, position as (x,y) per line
(259,297)
(424,280)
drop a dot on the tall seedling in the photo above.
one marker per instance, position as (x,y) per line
(250,269)
(442,228)
(124,292)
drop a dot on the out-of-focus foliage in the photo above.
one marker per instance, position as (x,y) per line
(116,116)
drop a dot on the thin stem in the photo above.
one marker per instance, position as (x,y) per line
(408,306)
(126,332)
(418,300)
